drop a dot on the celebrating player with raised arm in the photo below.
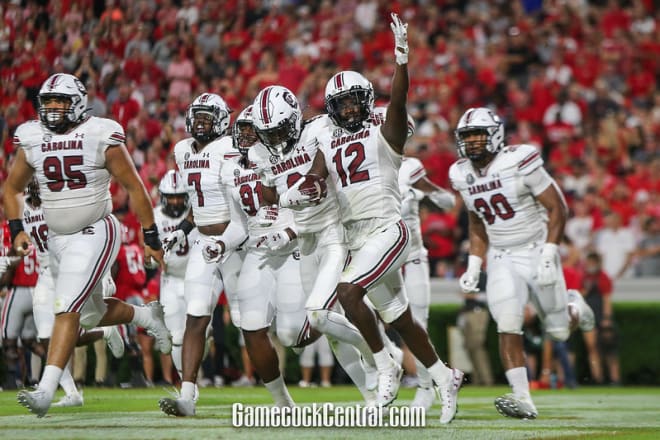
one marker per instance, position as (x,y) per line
(516,219)
(361,153)
(73,157)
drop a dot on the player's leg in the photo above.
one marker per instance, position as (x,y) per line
(11,323)
(174,310)
(507,295)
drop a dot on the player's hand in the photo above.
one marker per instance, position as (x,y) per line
(22,244)
(213,252)
(469,281)
(400,30)
(275,240)
(547,272)
(173,238)
(153,258)
(266,215)
(295,198)
(5,262)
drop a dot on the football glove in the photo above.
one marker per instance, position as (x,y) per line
(173,238)
(266,215)
(400,30)
(469,281)
(295,198)
(547,271)
(275,240)
(214,252)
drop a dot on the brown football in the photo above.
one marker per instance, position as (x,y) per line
(314,184)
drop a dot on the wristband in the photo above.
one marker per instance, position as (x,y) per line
(151,237)
(15,226)
(186,226)
(474,264)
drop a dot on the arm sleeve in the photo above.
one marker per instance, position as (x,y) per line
(236,232)
(537,181)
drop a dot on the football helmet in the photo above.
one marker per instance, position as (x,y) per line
(482,120)
(62,86)
(32,192)
(207,117)
(173,194)
(349,100)
(243,134)
(277,119)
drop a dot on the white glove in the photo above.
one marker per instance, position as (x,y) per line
(294,198)
(442,199)
(470,279)
(175,237)
(213,253)
(5,262)
(266,215)
(400,30)
(275,240)
(547,272)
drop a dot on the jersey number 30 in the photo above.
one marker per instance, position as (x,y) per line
(499,206)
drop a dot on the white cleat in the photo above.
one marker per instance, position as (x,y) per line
(114,341)
(577,304)
(424,398)
(70,400)
(449,396)
(518,407)
(158,329)
(36,401)
(177,407)
(388,384)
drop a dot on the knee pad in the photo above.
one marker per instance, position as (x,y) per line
(287,336)
(198,308)
(393,311)
(317,319)
(90,320)
(559,334)
(510,323)
(177,337)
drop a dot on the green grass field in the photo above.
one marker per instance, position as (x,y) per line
(586,413)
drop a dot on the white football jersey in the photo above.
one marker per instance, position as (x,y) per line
(70,168)
(201,172)
(245,187)
(177,257)
(507,206)
(364,170)
(410,172)
(284,172)
(34,224)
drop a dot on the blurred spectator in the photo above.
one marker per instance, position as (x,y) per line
(646,257)
(613,242)
(317,352)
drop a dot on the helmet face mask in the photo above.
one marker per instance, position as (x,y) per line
(243,133)
(62,102)
(485,131)
(173,194)
(277,119)
(207,118)
(349,100)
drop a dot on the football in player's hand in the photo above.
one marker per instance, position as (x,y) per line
(314,186)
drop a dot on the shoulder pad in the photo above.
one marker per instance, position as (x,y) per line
(27,131)
(523,158)
(115,131)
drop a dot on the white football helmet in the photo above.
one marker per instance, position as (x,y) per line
(172,184)
(243,134)
(212,106)
(344,85)
(63,86)
(484,120)
(277,119)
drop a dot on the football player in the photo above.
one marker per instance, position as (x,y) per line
(361,153)
(173,209)
(212,263)
(73,156)
(516,219)
(414,186)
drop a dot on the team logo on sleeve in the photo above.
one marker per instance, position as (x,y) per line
(186,156)
(236,172)
(337,132)
(470,179)
(274,159)
(47,137)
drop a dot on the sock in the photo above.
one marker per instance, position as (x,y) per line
(50,379)
(440,373)
(141,316)
(66,380)
(423,375)
(187,390)
(383,360)
(338,326)
(517,378)
(349,359)
(280,393)
(176,359)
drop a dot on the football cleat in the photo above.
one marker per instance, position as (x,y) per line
(178,407)
(388,384)
(520,408)
(70,400)
(36,401)
(424,398)
(114,341)
(577,305)
(449,396)
(157,328)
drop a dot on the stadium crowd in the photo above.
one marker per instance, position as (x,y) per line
(577,79)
